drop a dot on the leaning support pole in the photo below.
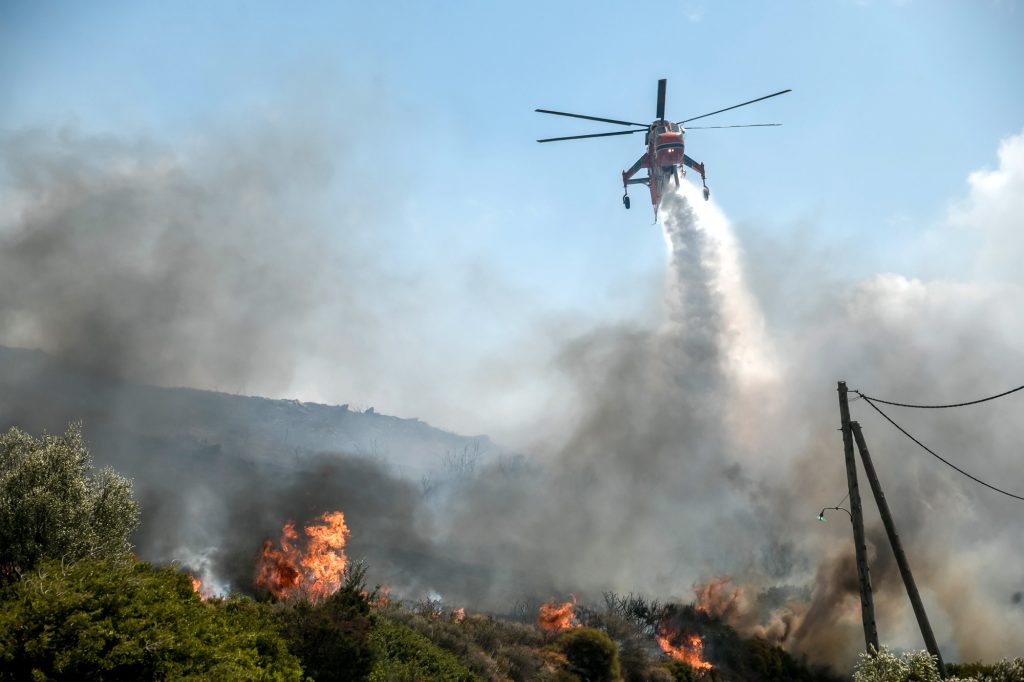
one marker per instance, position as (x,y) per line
(897,549)
(867,604)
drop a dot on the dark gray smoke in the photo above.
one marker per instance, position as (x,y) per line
(201,267)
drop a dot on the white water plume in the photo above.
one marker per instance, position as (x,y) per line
(711,313)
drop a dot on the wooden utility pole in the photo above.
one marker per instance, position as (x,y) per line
(897,549)
(867,603)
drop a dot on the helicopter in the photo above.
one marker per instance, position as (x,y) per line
(665,159)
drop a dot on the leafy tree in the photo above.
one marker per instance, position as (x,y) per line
(51,505)
(122,619)
(592,654)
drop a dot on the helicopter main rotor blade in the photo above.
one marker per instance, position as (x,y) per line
(737,106)
(580,137)
(591,118)
(661,98)
(748,125)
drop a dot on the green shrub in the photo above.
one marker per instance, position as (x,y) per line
(682,672)
(1007,670)
(330,638)
(403,655)
(592,654)
(976,670)
(491,648)
(125,620)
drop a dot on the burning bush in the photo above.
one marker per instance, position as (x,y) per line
(555,615)
(687,648)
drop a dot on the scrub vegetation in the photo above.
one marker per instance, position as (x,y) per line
(76,604)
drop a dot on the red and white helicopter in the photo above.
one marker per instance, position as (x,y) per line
(665,158)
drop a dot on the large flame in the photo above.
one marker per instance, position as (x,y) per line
(689,650)
(557,615)
(312,573)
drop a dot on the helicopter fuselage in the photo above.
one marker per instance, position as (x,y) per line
(664,161)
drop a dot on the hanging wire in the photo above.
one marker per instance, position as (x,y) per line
(940,407)
(870,401)
(839,507)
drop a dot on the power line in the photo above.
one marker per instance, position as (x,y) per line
(870,401)
(940,407)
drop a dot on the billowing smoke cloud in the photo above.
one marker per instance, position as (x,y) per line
(196,269)
(702,447)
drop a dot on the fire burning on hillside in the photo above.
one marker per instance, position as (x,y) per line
(555,615)
(689,649)
(312,571)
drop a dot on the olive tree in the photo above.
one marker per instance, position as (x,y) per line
(53,503)
(908,666)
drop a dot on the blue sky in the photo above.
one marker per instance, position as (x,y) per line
(428,106)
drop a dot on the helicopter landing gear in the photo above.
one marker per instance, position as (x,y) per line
(625,200)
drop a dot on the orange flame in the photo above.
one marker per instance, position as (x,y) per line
(290,572)
(458,615)
(689,651)
(197,586)
(557,615)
